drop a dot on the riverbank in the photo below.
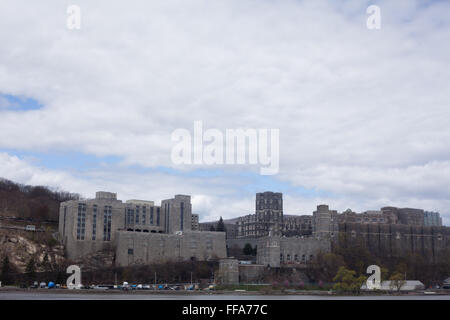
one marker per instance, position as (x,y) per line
(319,293)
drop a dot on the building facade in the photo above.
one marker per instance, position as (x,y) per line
(140,232)
(144,248)
(105,223)
(268,217)
(432,219)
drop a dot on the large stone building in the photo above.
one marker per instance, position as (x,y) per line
(268,217)
(137,230)
(392,232)
(140,232)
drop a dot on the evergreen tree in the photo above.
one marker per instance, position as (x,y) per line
(212,228)
(220,225)
(248,250)
(6,277)
(46,264)
(30,269)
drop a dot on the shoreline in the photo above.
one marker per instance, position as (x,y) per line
(221,292)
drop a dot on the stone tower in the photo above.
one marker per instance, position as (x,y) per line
(325,225)
(269,213)
(268,253)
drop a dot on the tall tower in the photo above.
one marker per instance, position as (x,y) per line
(177,214)
(269,214)
(325,222)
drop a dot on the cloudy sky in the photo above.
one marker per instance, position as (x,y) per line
(364,115)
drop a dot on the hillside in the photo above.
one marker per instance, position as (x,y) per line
(31,203)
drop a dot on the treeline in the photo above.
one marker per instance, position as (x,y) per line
(34,203)
(357,257)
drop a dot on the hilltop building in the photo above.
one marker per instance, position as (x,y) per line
(141,232)
(137,230)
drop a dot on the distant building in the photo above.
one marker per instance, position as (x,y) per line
(432,219)
(406,216)
(297,225)
(406,285)
(268,217)
(194,223)
(231,228)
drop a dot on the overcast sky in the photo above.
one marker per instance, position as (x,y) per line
(364,115)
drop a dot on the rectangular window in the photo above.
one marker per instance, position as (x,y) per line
(94,222)
(107,214)
(158,214)
(137,215)
(144,215)
(151,215)
(81,221)
(64,224)
(168,217)
(130,217)
(181,215)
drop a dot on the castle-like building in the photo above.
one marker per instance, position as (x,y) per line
(140,232)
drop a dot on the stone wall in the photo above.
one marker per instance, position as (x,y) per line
(228,273)
(143,248)
(251,273)
(396,240)
(275,251)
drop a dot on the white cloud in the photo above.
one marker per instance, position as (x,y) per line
(362,114)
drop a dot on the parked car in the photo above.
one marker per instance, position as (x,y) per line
(42,285)
(446,284)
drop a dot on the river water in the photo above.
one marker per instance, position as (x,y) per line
(137,296)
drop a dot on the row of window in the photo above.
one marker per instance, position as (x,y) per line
(107,216)
(296,258)
(133,216)
(81,222)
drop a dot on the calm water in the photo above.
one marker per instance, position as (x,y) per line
(136,296)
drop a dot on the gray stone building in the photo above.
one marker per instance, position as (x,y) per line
(87,226)
(278,251)
(300,225)
(144,248)
(432,219)
(140,232)
(325,224)
(145,232)
(228,273)
(195,226)
(268,217)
